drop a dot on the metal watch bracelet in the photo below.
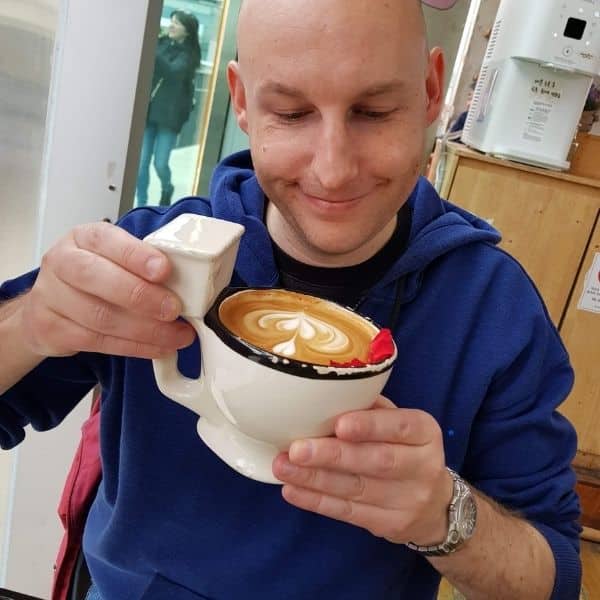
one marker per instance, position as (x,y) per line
(462,515)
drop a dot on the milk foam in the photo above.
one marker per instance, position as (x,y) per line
(297,327)
(306,331)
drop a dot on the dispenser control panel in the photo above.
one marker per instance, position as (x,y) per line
(575,28)
(576,33)
(560,33)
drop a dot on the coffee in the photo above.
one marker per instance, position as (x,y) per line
(298,327)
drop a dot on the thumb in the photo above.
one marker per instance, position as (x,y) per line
(383,402)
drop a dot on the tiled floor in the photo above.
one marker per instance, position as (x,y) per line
(590,554)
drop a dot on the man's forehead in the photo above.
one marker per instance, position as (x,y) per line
(272,86)
(359,33)
(440,4)
(254,12)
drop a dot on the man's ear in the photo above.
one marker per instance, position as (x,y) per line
(435,84)
(238,94)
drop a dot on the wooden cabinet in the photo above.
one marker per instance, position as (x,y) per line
(580,331)
(550,222)
(584,161)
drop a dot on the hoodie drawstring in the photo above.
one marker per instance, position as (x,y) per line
(398,299)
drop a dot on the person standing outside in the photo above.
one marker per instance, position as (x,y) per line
(171,102)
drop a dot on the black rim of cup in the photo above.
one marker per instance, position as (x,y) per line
(279,363)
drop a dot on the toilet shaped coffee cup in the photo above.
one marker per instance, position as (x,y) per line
(276,365)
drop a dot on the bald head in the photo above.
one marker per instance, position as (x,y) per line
(417,4)
(403,18)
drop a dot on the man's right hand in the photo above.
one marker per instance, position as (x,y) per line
(99,290)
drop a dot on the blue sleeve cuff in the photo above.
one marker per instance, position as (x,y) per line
(13,287)
(567,584)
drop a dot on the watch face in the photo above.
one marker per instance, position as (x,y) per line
(468,517)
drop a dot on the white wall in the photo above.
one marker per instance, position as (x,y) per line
(27,30)
(474,59)
(74,170)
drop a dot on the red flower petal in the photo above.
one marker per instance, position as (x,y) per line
(380,349)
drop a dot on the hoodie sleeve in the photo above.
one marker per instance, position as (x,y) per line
(521,448)
(45,396)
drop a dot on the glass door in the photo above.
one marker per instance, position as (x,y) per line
(185,98)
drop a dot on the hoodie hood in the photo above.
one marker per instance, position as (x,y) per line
(437,228)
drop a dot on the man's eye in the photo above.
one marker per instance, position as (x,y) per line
(292,116)
(374,115)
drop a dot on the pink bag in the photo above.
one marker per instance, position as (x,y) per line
(77,497)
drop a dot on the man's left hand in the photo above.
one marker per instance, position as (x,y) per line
(384,470)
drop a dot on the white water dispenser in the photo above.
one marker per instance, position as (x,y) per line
(536,74)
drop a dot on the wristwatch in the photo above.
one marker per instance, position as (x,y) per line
(462,517)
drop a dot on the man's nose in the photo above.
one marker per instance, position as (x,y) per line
(335,162)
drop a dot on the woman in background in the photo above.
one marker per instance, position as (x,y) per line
(171,101)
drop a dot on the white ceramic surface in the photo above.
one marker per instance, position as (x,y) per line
(249,412)
(247,456)
(202,251)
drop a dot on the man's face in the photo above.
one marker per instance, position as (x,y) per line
(336,97)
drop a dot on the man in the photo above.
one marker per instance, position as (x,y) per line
(336,99)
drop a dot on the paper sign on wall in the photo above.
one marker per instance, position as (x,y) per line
(590,299)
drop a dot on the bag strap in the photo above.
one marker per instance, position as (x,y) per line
(156,88)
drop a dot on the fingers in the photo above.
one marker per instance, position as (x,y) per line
(101,278)
(350,486)
(90,341)
(108,286)
(383,402)
(376,459)
(393,425)
(384,471)
(398,510)
(373,518)
(101,317)
(123,249)
(74,322)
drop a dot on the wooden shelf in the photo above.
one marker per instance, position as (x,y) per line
(462,150)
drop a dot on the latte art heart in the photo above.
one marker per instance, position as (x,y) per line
(296,326)
(307,332)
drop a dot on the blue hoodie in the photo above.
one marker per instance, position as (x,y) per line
(477,350)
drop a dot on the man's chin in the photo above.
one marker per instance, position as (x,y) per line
(320,241)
